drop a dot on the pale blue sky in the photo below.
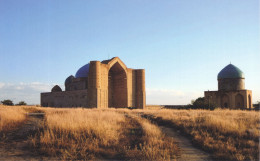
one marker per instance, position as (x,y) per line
(182,44)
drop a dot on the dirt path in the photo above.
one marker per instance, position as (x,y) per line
(188,151)
(15,145)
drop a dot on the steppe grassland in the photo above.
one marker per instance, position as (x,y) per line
(156,145)
(96,133)
(11,117)
(228,134)
(122,134)
(79,133)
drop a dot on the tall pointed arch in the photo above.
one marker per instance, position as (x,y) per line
(117,85)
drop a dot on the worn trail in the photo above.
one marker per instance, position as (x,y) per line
(188,151)
(15,144)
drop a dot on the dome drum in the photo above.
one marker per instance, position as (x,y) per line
(231,84)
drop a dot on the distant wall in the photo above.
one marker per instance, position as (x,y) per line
(175,106)
(154,107)
(167,106)
(64,99)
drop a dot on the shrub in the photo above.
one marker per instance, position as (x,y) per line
(7,102)
(202,103)
(21,103)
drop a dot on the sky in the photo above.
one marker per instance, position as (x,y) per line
(181,44)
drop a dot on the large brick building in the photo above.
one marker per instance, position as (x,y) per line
(100,85)
(231,90)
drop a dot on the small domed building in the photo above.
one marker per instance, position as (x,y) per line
(100,85)
(231,90)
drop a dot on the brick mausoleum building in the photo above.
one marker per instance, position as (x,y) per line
(100,85)
(231,89)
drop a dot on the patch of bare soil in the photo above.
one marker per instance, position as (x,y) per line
(15,145)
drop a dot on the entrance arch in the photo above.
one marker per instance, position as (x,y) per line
(225,101)
(239,100)
(117,86)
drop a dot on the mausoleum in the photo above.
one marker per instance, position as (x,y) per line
(104,84)
(231,90)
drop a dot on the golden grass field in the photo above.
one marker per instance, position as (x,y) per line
(122,134)
(101,134)
(11,117)
(228,134)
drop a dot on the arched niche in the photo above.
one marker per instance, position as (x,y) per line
(225,101)
(239,101)
(117,86)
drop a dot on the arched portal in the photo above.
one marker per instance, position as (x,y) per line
(249,101)
(117,86)
(239,101)
(225,101)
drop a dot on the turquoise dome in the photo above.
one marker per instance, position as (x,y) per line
(230,71)
(83,71)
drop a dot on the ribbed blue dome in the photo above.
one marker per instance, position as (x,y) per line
(83,71)
(230,71)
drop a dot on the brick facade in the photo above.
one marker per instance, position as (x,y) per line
(109,84)
(231,90)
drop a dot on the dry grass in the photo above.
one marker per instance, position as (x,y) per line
(80,133)
(73,134)
(228,134)
(155,145)
(11,117)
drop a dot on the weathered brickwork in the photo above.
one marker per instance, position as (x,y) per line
(108,84)
(230,99)
(231,90)
(76,98)
(231,84)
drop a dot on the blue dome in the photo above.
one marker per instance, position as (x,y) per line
(230,71)
(83,71)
